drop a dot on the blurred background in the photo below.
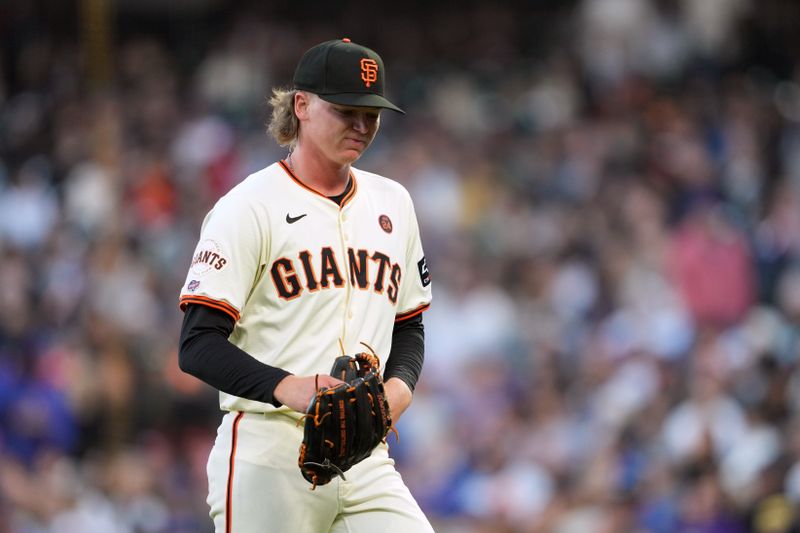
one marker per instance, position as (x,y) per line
(609,199)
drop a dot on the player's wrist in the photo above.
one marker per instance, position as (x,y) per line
(282,390)
(398,395)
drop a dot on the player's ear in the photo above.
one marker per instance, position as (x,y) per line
(302,101)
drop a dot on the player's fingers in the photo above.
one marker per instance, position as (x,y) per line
(328,381)
(296,392)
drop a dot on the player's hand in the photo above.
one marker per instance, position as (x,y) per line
(296,392)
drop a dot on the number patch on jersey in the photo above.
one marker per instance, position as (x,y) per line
(424,274)
(385,223)
(208,257)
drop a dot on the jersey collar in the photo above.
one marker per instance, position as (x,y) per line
(349,196)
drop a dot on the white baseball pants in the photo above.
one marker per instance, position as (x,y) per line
(255,485)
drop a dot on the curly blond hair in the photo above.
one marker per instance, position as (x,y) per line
(283,124)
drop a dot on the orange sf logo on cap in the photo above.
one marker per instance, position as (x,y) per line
(369,71)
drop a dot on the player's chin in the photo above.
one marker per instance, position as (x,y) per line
(352,155)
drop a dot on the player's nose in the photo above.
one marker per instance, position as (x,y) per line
(363,121)
(360,123)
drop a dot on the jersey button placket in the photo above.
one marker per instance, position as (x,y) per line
(345,227)
(347,313)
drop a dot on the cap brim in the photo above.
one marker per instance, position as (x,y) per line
(360,100)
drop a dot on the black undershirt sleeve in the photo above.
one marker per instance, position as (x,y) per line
(206,353)
(408,351)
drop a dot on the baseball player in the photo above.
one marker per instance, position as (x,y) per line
(301,261)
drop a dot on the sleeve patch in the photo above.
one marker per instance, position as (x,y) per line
(424,274)
(207,257)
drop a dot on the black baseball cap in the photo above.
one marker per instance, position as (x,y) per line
(343,72)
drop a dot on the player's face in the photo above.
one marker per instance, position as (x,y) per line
(342,133)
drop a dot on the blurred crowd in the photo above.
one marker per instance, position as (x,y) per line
(609,200)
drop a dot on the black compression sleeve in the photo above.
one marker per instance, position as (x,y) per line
(206,353)
(408,351)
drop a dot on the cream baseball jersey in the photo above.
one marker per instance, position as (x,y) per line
(298,272)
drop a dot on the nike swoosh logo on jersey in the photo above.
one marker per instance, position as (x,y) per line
(292,220)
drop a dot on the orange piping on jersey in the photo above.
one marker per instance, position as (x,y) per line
(412,313)
(394,283)
(308,270)
(329,267)
(359,268)
(352,192)
(345,200)
(210,302)
(229,491)
(383,262)
(278,279)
